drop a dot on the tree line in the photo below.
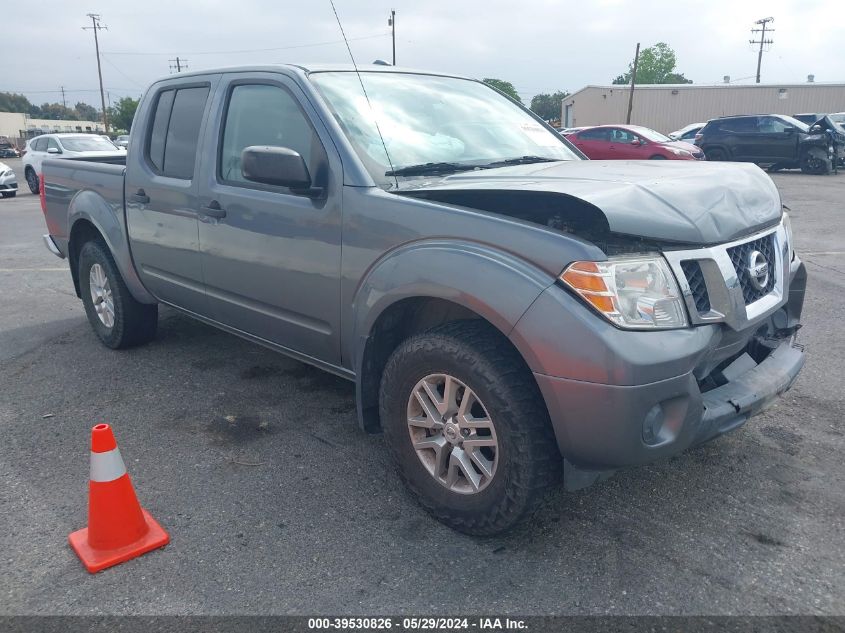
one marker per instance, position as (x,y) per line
(120,114)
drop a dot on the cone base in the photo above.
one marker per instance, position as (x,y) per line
(98,559)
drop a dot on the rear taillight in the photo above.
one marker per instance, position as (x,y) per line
(41,194)
(697,137)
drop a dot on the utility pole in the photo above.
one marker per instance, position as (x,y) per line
(391,22)
(64,103)
(96,26)
(178,64)
(762,41)
(633,82)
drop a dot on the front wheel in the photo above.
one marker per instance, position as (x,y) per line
(118,319)
(658,157)
(815,162)
(32,180)
(467,427)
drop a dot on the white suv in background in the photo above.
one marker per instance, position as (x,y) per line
(63,146)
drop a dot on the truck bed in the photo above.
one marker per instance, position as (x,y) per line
(98,181)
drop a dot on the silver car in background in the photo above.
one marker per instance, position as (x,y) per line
(8,181)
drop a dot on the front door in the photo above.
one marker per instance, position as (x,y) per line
(271,258)
(161,196)
(777,140)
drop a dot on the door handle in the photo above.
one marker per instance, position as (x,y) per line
(140,197)
(214,210)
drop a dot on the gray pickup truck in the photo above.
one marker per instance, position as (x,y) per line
(510,312)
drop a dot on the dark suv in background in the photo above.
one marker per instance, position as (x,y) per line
(776,140)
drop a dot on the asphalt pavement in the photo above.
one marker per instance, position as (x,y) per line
(276,503)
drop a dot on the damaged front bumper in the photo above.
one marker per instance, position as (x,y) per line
(619,399)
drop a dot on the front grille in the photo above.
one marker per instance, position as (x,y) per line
(740,259)
(695,279)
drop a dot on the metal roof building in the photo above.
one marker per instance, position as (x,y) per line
(669,107)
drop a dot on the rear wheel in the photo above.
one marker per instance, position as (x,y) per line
(814,161)
(32,180)
(716,154)
(118,320)
(467,427)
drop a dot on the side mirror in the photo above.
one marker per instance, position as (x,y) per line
(636,141)
(280,166)
(54,150)
(816,129)
(789,130)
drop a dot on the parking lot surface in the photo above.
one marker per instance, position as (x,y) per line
(276,503)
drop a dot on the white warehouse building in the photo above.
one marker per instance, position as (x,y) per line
(669,107)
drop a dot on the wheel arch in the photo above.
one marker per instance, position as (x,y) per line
(425,285)
(91,217)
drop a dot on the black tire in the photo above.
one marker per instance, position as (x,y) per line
(814,162)
(32,180)
(134,323)
(716,153)
(657,157)
(9,194)
(528,459)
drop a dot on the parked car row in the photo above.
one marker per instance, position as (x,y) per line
(773,140)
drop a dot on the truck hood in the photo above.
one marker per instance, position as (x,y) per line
(676,201)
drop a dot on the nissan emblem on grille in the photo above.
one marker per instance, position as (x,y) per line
(758,270)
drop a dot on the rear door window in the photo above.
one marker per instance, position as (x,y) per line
(740,125)
(175,130)
(601,134)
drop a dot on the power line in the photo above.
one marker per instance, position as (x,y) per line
(95,22)
(123,74)
(249,50)
(762,41)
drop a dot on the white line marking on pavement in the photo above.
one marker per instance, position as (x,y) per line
(823,253)
(33,270)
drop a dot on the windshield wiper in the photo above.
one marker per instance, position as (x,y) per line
(521,160)
(425,169)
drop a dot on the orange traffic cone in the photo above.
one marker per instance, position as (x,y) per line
(118,527)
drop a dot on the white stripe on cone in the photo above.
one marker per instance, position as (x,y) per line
(107,466)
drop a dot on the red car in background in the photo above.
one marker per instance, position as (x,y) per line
(631,142)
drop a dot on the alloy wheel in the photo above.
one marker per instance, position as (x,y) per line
(101,295)
(452,434)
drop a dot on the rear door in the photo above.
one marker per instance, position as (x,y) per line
(271,258)
(741,137)
(161,193)
(37,152)
(595,143)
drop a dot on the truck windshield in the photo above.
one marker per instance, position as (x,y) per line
(433,125)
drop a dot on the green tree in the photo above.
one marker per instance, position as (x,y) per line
(86,112)
(547,105)
(13,102)
(57,112)
(503,86)
(121,114)
(656,66)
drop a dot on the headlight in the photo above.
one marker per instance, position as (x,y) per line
(631,292)
(679,152)
(787,225)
